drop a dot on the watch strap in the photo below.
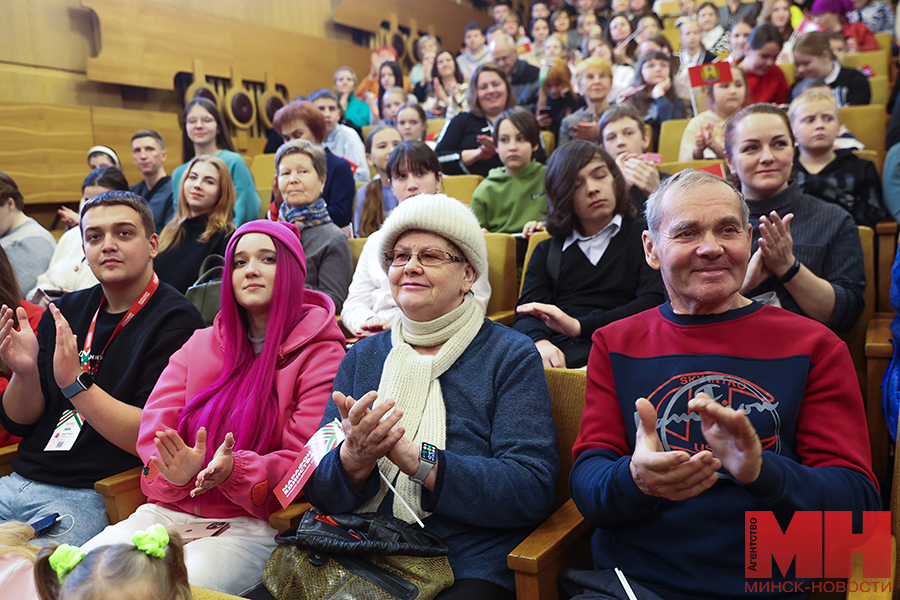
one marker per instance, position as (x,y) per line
(789,274)
(82,382)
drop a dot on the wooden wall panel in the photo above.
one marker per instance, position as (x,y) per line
(44,149)
(171,39)
(448,19)
(53,34)
(114,127)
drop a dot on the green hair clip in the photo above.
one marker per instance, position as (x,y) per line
(153,540)
(64,559)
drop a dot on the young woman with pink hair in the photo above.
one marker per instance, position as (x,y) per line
(234,408)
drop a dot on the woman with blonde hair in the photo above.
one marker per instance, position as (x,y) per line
(202,225)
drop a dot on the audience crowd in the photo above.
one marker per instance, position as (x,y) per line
(635,264)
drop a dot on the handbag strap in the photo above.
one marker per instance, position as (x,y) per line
(210,275)
(205,265)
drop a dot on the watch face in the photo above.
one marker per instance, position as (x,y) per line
(429,452)
(84,379)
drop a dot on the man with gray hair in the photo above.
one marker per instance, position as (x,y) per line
(706,407)
(524,77)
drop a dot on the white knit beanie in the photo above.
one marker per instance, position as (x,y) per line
(443,216)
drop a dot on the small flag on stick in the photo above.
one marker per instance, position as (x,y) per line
(710,73)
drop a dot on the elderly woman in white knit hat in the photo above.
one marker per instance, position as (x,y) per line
(460,424)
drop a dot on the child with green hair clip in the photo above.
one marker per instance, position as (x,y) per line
(152,568)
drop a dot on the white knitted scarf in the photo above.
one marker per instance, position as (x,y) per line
(411,380)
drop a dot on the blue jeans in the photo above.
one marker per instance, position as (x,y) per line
(82,511)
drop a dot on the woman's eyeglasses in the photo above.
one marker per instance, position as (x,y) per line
(430,257)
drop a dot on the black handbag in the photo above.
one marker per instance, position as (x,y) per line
(206,292)
(359,555)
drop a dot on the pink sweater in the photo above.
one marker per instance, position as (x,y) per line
(310,358)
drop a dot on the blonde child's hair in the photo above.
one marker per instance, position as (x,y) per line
(14,538)
(812,96)
(116,571)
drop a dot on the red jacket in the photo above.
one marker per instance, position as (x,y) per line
(314,350)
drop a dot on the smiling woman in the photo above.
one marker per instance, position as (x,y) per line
(202,225)
(469,390)
(466,145)
(805,250)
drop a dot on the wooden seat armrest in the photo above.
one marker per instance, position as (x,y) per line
(7,455)
(886,227)
(290,516)
(119,483)
(121,493)
(878,338)
(504,316)
(859,587)
(549,540)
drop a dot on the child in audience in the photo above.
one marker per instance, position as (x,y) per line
(836,176)
(562,27)
(647,26)
(692,51)
(654,92)
(425,46)
(813,58)
(778,13)
(476,52)
(512,195)
(554,49)
(413,168)
(202,225)
(150,568)
(99,156)
(688,12)
(624,137)
(205,133)
(390,76)
(619,36)
(355,110)
(393,99)
(592,271)
(737,39)
(838,44)
(301,172)
(376,200)
(713,35)
(830,16)
(555,98)
(412,122)
(540,31)
(17,560)
(704,136)
(765,80)
(622,75)
(593,77)
(845,139)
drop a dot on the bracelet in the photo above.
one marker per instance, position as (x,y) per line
(789,274)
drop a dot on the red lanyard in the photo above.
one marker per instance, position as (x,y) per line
(135,309)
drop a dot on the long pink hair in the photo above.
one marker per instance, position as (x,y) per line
(243,399)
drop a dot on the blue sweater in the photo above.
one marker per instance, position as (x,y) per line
(247,206)
(496,478)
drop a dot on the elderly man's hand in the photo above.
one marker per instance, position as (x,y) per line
(671,475)
(731,436)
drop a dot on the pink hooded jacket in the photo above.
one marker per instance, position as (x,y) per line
(308,363)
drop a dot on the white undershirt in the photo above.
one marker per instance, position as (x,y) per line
(594,246)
